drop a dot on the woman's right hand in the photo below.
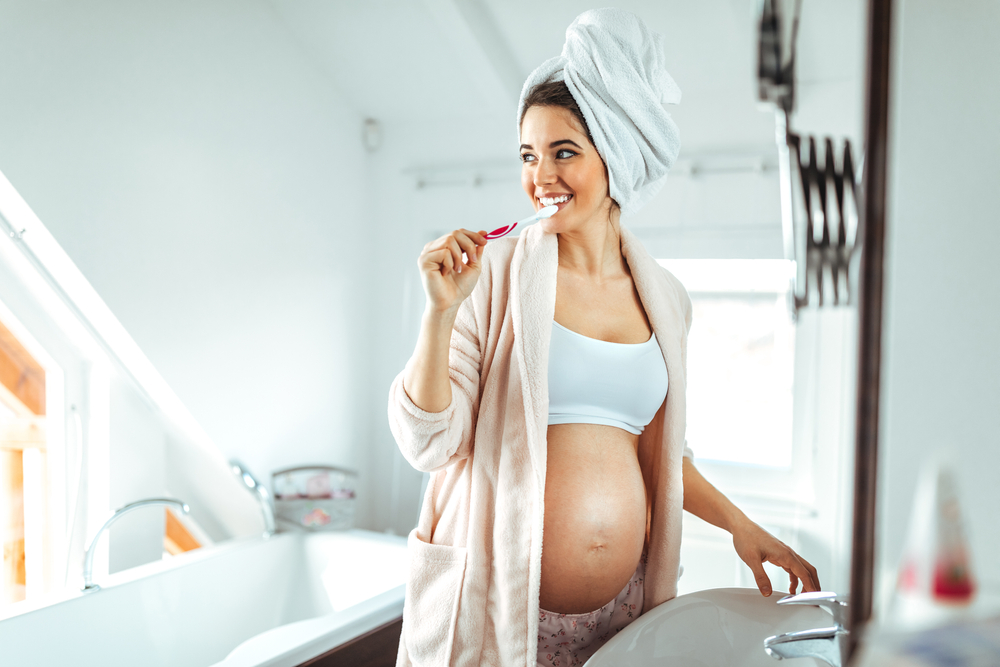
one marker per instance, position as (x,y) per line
(447,279)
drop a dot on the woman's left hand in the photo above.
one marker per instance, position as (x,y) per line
(755,545)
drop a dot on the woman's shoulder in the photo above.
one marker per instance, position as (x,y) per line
(667,283)
(674,285)
(660,273)
(673,282)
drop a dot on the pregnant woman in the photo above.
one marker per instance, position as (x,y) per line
(546,391)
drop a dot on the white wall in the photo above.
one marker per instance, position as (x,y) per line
(207,178)
(942,363)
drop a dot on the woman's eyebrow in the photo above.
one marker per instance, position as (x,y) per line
(554,144)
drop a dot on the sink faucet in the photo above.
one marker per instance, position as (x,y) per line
(88,559)
(260,492)
(827,644)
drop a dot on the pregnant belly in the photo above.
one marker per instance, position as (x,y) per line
(595,516)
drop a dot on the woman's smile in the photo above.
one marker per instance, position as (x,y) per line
(560,200)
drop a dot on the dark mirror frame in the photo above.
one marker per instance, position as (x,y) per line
(870,316)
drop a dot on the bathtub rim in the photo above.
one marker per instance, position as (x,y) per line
(164,565)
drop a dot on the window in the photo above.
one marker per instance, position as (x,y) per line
(767,417)
(22,468)
(60,348)
(740,360)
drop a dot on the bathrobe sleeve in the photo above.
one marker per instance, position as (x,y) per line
(434,440)
(686,304)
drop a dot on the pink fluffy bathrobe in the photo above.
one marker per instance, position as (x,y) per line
(476,553)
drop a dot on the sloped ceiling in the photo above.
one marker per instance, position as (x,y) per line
(387,57)
(424,60)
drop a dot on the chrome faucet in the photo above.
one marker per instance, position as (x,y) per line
(88,559)
(828,644)
(260,492)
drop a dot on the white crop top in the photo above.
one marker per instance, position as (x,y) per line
(593,381)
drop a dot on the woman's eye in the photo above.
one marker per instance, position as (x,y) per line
(527,157)
(565,153)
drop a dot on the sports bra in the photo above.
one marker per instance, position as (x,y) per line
(594,381)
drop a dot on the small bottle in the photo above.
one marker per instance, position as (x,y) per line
(935,582)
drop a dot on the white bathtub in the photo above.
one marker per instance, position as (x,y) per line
(276,602)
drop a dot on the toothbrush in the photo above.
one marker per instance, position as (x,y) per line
(499,232)
(540,214)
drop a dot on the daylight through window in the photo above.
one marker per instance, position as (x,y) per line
(740,363)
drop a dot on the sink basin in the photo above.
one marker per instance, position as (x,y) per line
(719,627)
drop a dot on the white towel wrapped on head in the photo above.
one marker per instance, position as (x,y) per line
(613,65)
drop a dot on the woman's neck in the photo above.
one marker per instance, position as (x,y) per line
(593,252)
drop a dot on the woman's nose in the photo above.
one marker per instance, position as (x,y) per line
(545,173)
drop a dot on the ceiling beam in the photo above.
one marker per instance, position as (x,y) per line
(481,48)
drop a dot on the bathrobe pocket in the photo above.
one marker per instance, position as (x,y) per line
(430,611)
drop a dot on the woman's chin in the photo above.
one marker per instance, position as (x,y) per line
(560,223)
(550,226)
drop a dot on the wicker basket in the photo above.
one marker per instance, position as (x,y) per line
(315,497)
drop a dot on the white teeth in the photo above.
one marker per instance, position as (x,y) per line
(549,201)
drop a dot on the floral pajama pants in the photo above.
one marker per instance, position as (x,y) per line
(568,640)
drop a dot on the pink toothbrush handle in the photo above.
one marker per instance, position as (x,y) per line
(500,231)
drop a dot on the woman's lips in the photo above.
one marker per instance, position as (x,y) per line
(560,205)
